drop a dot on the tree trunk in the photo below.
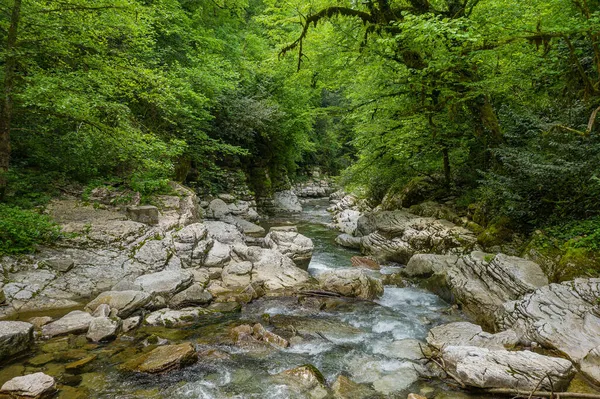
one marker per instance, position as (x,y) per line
(447,174)
(6,106)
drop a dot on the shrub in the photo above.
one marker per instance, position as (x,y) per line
(21,230)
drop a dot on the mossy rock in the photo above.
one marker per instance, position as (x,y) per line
(163,359)
(40,360)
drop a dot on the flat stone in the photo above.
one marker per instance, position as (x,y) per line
(468,334)
(168,282)
(146,214)
(126,302)
(30,386)
(175,318)
(15,337)
(193,295)
(62,265)
(40,360)
(75,322)
(521,370)
(78,365)
(163,359)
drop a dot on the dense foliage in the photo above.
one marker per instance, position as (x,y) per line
(490,102)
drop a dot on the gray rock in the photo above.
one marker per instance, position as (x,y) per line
(559,316)
(224,232)
(245,226)
(103,329)
(274,269)
(131,323)
(424,265)
(346,240)
(146,214)
(468,334)
(15,337)
(286,201)
(75,322)
(39,322)
(351,283)
(398,235)
(297,247)
(103,310)
(522,370)
(126,302)
(590,365)
(30,386)
(166,283)
(237,274)
(481,282)
(218,209)
(62,265)
(347,221)
(193,295)
(175,318)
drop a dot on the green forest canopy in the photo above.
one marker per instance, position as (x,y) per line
(491,102)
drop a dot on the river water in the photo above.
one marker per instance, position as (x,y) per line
(373,343)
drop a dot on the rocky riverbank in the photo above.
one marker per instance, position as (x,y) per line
(161,290)
(507,295)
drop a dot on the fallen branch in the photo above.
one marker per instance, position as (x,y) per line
(542,394)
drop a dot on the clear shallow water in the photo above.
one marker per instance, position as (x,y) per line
(370,342)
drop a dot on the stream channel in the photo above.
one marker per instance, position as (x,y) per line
(372,343)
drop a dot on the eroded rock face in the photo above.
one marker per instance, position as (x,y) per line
(175,318)
(351,283)
(480,282)
(560,316)
(297,247)
(523,370)
(398,235)
(15,337)
(163,358)
(468,334)
(35,385)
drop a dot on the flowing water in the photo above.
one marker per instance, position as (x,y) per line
(373,343)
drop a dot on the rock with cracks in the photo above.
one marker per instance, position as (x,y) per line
(523,370)
(351,283)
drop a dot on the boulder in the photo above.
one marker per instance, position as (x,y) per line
(468,334)
(348,241)
(245,226)
(218,209)
(481,282)
(146,214)
(297,247)
(131,323)
(559,316)
(344,388)
(224,232)
(126,302)
(273,269)
(165,283)
(193,295)
(347,221)
(286,201)
(35,385)
(307,378)
(103,329)
(175,318)
(75,322)
(163,359)
(351,283)
(15,337)
(237,274)
(522,370)
(62,265)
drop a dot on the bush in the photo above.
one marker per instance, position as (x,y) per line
(21,230)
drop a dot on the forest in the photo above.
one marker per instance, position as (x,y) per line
(490,106)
